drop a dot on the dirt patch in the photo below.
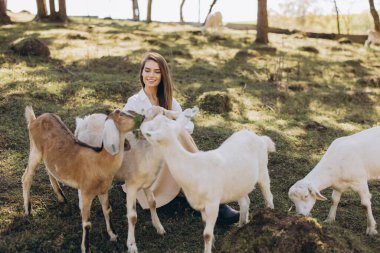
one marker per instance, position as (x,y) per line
(371,81)
(309,49)
(30,47)
(353,63)
(216,102)
(181,53)
(216,38)
(246,53)
(110,62)
(297,86)
(315,126)
(156,42)
(275,231)
(76,37)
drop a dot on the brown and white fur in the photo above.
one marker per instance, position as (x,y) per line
(75,165)
(140,168)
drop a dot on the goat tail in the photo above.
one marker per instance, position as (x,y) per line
(29,114)
(271,147)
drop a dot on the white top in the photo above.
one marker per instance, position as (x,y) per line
(140,103)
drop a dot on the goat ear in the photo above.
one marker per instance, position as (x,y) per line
(78,121)
(111,137)
(186,116)
(313,191)
(193,112)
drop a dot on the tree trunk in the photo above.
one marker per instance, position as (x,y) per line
(209,11)
(262,22)
(62,11)
(374,15)
(337,16)
(41,10)
(4,18)
(52,7)
(149,12)
(181,12)
(53,13)
(135,10)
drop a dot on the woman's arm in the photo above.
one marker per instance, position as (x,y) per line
(131,105)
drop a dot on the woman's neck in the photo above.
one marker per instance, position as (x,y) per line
(151,93)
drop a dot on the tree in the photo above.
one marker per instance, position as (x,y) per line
(337,16)
(262,22)
(303,10)
(135,10)
(4,18)
(374,15)
(60,16)
(53,12)
(62,11)
(41,10)
(149,12)
(180,11)
(209,11)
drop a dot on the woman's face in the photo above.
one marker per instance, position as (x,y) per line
(151,74)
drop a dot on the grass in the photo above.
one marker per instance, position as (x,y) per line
(302,100)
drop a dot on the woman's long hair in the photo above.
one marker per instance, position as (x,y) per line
(165,87)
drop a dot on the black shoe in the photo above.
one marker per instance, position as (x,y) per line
(227,215)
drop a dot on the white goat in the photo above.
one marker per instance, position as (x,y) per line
(373,37)
(75,165)
(228,173)
(349,162)
(213,21)
(140,167)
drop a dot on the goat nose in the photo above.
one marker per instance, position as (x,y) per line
(117,111)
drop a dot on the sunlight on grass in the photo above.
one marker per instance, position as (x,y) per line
(302,99)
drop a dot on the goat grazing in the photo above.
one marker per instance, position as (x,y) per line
(228,173)
(213,21)
(76,165)
(373,37)
(140,167)
(349,162)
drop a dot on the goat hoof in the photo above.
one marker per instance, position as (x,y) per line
(329,220)
(161,231)
(371,231)
(242,224)
(132,248)
(113,238)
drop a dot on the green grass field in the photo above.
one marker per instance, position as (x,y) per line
(303,100)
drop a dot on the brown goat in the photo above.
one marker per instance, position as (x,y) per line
(75,165)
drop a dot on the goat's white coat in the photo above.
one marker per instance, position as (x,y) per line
(228,173)
(90,133)
(214,21)
(373,37)
(348,163)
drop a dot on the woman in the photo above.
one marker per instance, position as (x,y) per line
(157,90)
